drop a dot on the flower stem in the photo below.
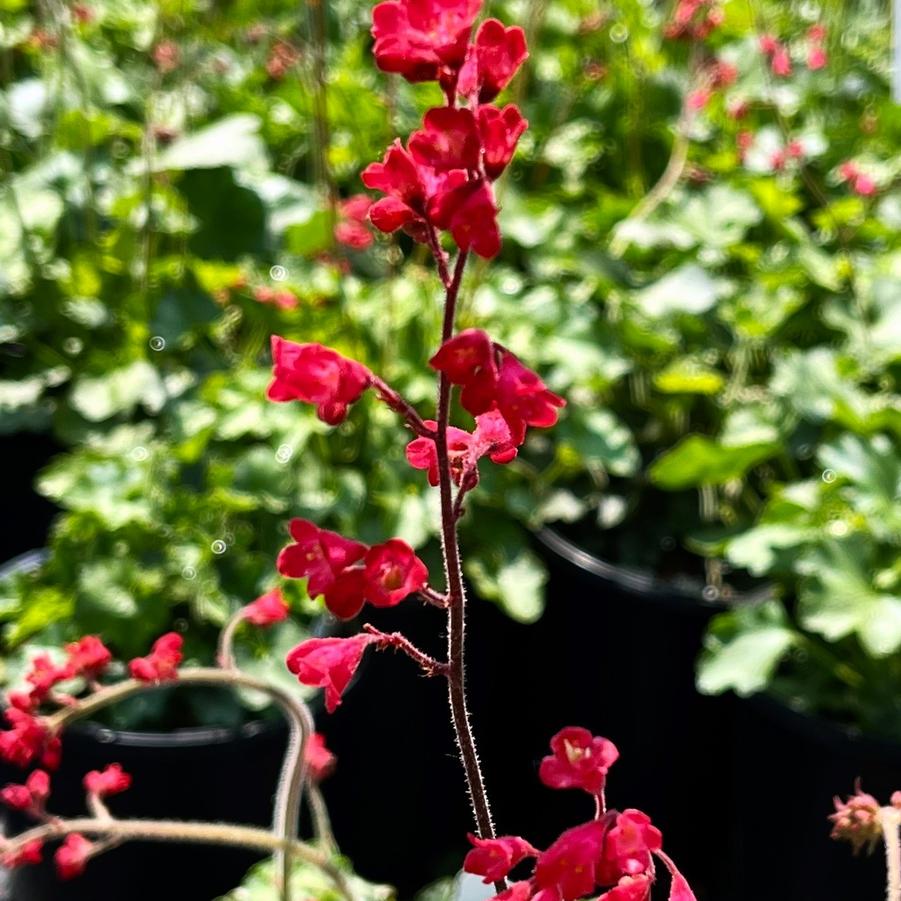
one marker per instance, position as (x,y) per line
(456,611)
(891,821)
(177,831)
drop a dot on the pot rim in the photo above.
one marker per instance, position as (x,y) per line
(640,581)
(184,737)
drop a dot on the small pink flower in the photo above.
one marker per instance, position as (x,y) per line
(698,100)
(166,56)
(320,760)
(628,846)
(267,610)
(448,140)
(316,375)
(30,797)
(422,453)
(630,888)
(469,213)
(420,39)
(570,864)
(817,58)
(493,60)
(351,229)
(579,760)
(494,858)
(318,554)
(88,657)
(500,130)
(857,820)
(393,572)
(112,780)
(781,63)
(28,855)
(28,740)
(161,665)
(328,663)
(72,856)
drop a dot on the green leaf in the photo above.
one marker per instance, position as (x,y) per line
(698,460)
(743,650)
(119,391)
(688,289)
(600,440)
(688,377)
(233,141)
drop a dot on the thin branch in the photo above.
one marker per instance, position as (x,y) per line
(435,598)
(429,665)
(177,831)
(890,819)
(402,406)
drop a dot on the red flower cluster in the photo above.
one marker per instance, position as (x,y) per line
(491,438)
(694,20)
(320,760)
(28,740)
(861,183)
(267,610)
(316,375)
(613,851)
(329,663)
(282,58)
(161,665)
(442,179)
(28,855)
(351,229)
(348,573)
(30,797)
(112,780)
(492,378)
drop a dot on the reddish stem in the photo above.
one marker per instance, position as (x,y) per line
(430,666)
(402,406)
(456,611)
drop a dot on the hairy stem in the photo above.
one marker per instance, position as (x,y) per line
(177,831)
(456,611)
(891,821)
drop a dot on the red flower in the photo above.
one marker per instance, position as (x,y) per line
(860,183)
(267,610)
(570,864)
(422,453)
(393,572)
(88,657)
(781,63)
(29,854)
(494,379)
(694,19)
(493,60)
(320,760)
(319,554)
(679,890)
(316,375)
(500,130)
(283,299)
(44,675)
(420,38)
(161,665)
(492,438)
(817,58)
(328,663)
(493,858)
(630,888)
(346,596)
(469,213)
(28,740)
(580,760)
(448,140)
(111,781)
(628,846)
(72,856)
(351,230)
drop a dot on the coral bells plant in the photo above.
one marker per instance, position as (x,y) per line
(438,187)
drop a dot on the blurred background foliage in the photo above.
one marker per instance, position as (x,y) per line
(686,259)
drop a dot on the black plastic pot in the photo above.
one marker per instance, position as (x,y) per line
(788,767)
(226,774)
(189,774)
(618,656)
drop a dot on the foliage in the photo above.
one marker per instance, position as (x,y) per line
(721,350)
